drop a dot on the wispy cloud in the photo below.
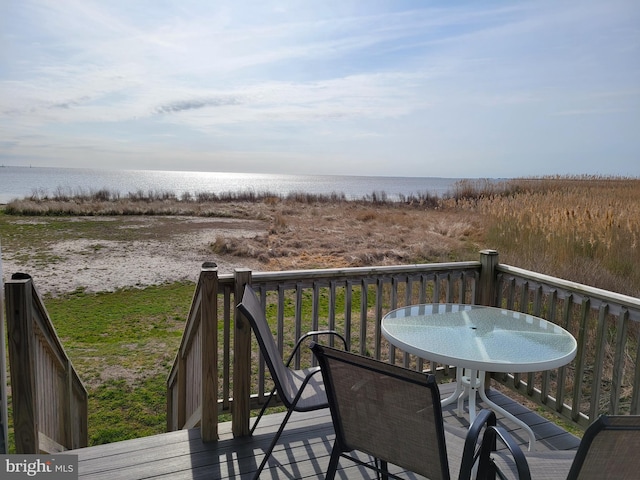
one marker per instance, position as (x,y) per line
(195,104)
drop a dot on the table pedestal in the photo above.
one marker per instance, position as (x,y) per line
(468,382)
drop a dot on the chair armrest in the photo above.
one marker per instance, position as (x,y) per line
(479,451)
(487,468)
(315,333)
(471,452)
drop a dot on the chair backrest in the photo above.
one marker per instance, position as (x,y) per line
(608,449)
(386,411)
(252,310)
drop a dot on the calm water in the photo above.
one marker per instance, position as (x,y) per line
(20,182)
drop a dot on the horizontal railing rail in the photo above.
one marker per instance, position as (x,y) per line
(49,400)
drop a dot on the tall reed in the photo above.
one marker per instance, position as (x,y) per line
(585,229)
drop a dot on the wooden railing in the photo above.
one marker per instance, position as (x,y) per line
(605,375)
(350,300)
(49,400)
(206,381)
(218,369)
(4,400)
(193,380)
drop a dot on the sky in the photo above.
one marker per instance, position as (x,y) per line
(466,89)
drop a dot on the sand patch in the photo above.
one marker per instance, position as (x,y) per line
(161,251)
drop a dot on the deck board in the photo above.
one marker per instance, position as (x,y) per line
(302,453)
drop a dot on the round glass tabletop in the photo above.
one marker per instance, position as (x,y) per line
(479,337)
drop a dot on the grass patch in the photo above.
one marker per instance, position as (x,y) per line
(123,344)
(119,410)
(33,234)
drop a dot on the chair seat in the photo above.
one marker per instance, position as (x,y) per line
(547,465)
(313,396)
(608,449)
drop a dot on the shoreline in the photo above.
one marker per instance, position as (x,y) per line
(21,181)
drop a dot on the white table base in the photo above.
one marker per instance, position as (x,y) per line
(467,386)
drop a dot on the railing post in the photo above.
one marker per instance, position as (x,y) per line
(19,294)
(486,293)
(241,361)
(67,400)
(177,394)
(181,397)
(4,418)
(79,406)
(209,345)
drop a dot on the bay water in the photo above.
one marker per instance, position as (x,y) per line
(21,182)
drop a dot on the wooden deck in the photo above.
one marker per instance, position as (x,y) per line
(303,450)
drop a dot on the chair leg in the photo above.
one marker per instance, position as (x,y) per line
(273,444)
(384,468)
(264,407)
(333,464)
(376,462)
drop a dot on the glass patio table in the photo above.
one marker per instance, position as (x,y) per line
(479,339)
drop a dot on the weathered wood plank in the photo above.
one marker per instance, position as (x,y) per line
(4,400)
(21,339)
(45,388)
(209,353)
(241,361)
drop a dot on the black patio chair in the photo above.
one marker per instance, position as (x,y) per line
(394,415)
(299,390)
(607,450)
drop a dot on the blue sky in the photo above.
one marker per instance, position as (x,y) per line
(407,88)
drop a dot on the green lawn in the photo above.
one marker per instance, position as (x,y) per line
(123,344)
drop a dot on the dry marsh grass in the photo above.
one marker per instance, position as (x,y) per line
(585,229)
